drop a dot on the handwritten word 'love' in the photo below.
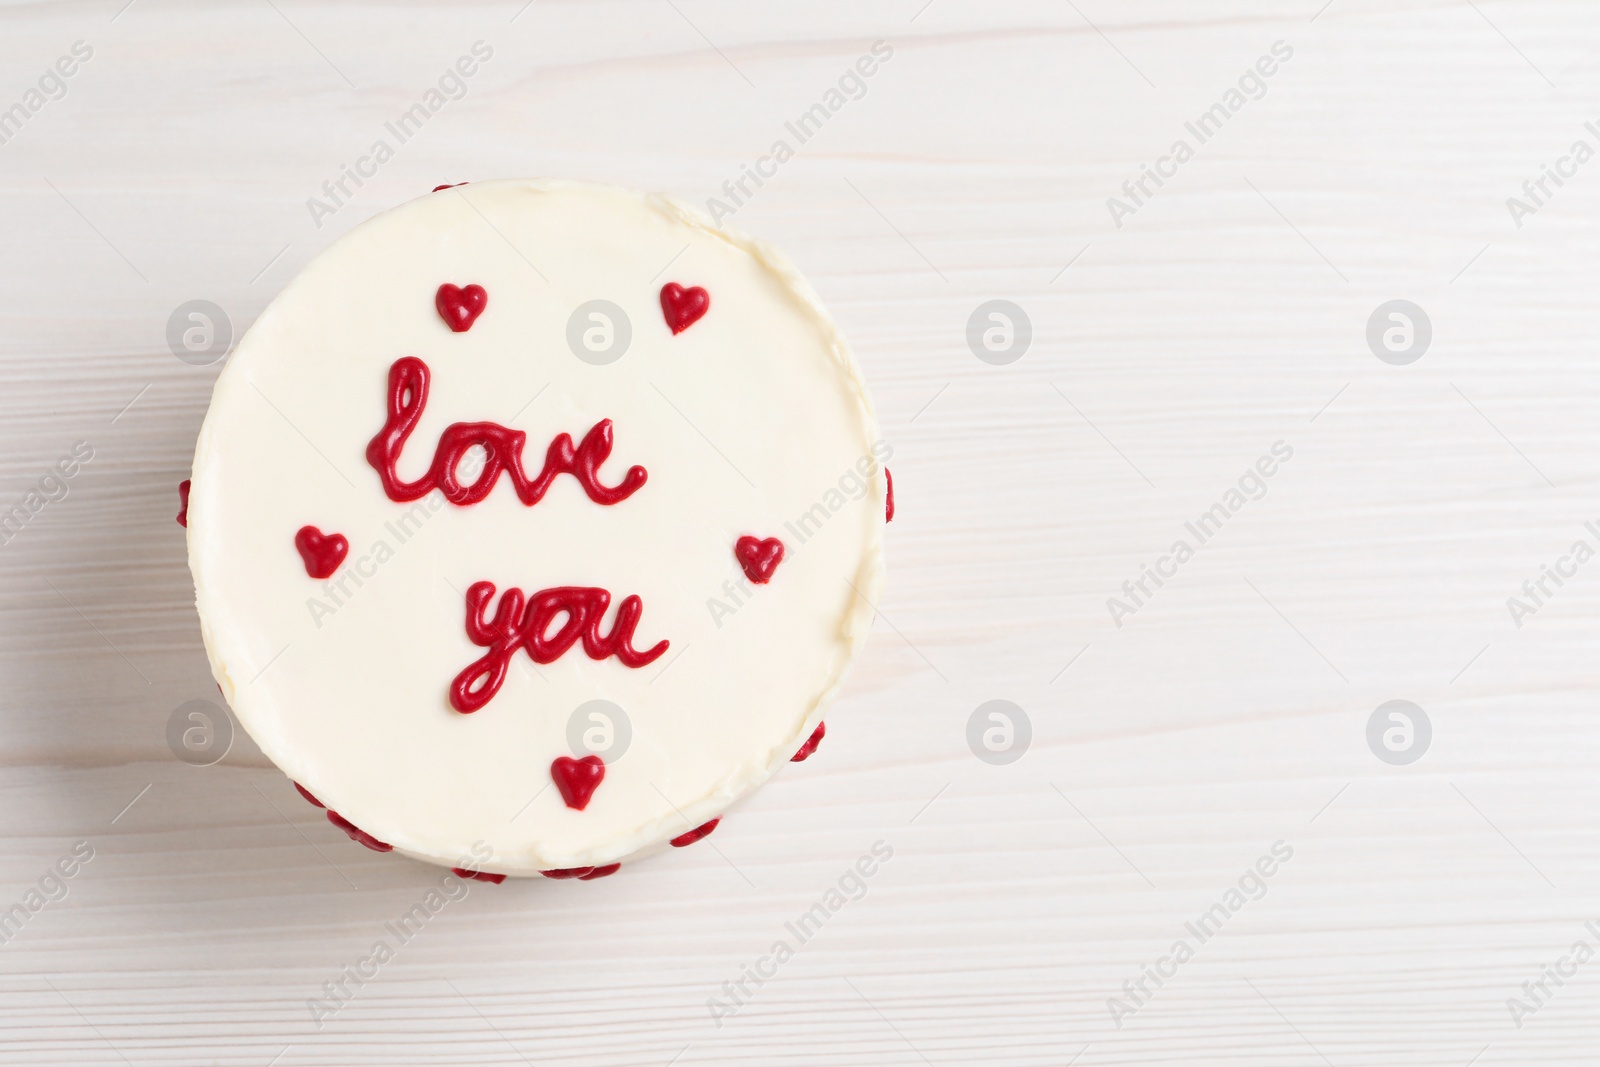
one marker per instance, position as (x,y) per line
(408,395)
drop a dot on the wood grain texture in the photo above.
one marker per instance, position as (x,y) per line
(1168,754)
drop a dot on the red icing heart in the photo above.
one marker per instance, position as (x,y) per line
(307,794)
(683,307)
(583,874)
(322,552)
(696,834)
(479,876)
(358,835)
(577,778)
(460,308)
(183,502)
(811,743)
(568,872)
(759,558)
(888,512)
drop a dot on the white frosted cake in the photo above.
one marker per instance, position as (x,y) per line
(535,524)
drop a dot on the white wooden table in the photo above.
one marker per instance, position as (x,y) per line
(1229,712)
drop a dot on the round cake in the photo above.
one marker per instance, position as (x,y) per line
(536,523)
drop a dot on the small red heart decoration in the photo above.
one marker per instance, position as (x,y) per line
(759,558)
(322,552)
(696,834)
(183,502)
(358,835)
(568,872)
(683,307)
(577,778)
(811,744)
(583,874)
(460,308)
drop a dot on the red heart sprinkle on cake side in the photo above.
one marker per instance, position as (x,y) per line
(583,874)
(477,876)
(696,834)
(322,552)
(683,307)
(183,503)
(358,835)
(460,308)
(758,557)
(811,743)
(577,778)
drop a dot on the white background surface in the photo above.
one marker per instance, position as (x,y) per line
(1229,713)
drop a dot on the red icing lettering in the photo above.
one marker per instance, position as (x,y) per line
(183,502)
(408,395)
(696,834)
(321,552)
(811,743)
(460,307)
(577,778)
(758,557)
(525,623)
(683,307)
